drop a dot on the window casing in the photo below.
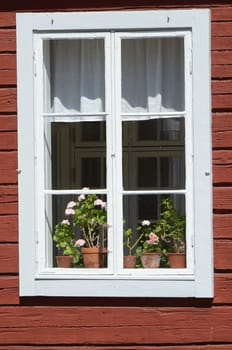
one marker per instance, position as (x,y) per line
(120,151)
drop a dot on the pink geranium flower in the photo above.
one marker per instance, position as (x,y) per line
(71,204)
(69,211)
(65,222)
(80,243)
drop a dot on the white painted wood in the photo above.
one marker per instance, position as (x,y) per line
(196,280)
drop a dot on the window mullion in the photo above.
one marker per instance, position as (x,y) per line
(118,173)
(109,148)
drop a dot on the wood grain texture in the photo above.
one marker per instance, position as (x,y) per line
(221,43)
(221,57)
(223,288)
(8,140)
(222,102)
(9,290)
(8,200)
(8,100)
(222,254)
(8,168)
(8,123)
(222,226)
(222,130)
(7,69)
(7,19)
(7,40)
(222,87)
(9,258)
(123,326)
(221,14)
(222,170)
(8,228)
(222,29)
(221,71)
(222,198)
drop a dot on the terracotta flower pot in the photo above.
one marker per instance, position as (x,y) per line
(129,261)
(150,260)
(176,260)
(64,261)
(93,257)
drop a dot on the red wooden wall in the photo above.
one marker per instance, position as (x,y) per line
(59,323)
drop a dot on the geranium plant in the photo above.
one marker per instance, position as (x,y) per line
(85,221)
(171,227)
(89,215)
(129,242)
(150,240)
(64,239)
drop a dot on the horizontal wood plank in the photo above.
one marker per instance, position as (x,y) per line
(223,288)
(9,290)
(8,228)
(8,61)
(222,169)
(222,254)
(7,69)
(7,40)
(8,140)
(8,200)
(8,122)
(8,167)
(9,258)
(7,19)
(8,100)
(222,226)
(221,86)
(222,71)
(222,131)
(7,77)
(221,29)
(221,43)
(118,326)
(221,14)
(222,58)
(222,198)
(222,102)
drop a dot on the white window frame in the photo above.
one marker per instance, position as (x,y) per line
(197,280)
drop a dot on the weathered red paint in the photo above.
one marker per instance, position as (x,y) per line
(139,324)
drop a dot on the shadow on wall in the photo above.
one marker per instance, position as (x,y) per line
(97,4)
(114,302)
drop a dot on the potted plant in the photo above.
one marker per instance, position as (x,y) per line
(129,261)
(151,249)
(65,243)
(171,228)
(89,217)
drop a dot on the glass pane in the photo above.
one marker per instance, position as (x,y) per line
(156,131)
(154,223)
(152,75)
(78,222)
(74,75)
(152,164)
(76,162)
(147,172)
(147,130)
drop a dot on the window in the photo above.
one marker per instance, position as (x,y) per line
(115,105)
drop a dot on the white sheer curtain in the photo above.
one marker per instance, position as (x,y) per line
(152,75)
(77,76)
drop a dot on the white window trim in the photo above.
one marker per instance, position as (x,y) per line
(196,283)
